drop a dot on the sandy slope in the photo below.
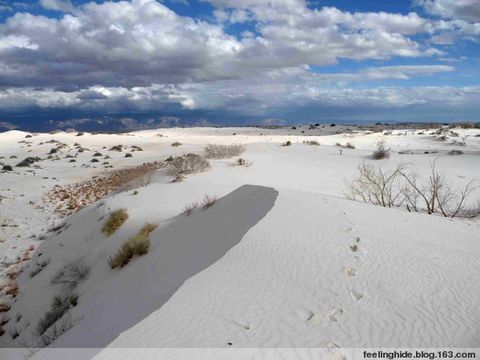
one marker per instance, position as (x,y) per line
(289,283)
(289,276)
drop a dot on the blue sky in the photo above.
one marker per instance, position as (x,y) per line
(143,63)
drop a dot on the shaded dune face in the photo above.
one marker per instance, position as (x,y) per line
(178,251)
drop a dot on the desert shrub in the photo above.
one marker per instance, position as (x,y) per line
(28,161)
(186,164)
(39,268)
(376,186)
(128,155)
(312,142)
(208,201)
(189,209)
(455,152)
(437,195)
(345,146)
(242,162)
(60,327)
(398,187)
(71,274)
(287,143)
(382,151)
(116,148)
(176,144)
(135,246)
(216,151)
(116,219)
(59,306)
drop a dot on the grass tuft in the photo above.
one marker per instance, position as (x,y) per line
(135,246)
(116,219)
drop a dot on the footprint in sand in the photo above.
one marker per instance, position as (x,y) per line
(355,294)
(304,314)
(333,345)
(335,315)
(350,271)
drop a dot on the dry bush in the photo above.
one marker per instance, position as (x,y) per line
(39,268)
(242,162)
(116,219)
(208,201)
(71,274)
(398,187)
(312,142)
(217,151)
(189,209)
(287,143)
(56,330)
(376,186)
(59,306)
(437,195)
(176,144)
(345,146)
(382,151)
(187,164)
(135,246)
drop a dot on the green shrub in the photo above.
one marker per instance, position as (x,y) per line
(135,246)
(116,219)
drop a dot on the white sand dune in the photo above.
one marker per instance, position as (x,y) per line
(281,260)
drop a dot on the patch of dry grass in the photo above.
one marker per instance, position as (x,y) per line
(135,246)
(186,164)
(217,151)
(116,219)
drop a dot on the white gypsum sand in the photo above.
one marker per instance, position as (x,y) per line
(285,261)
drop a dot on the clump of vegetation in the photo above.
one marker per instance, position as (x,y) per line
(116,219)
(116,148)
(176,144)
(59,306)
(455,152)
(216,151)
(28,161)
(189,209)
(186,164)
(208,201)
(135,246)
(71,274)
(39,268)
(312,142)
(243,162)
(382,151)
(397,187)
(287,143)
(345,146)
(128,155)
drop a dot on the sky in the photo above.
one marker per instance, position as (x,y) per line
(74,64)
